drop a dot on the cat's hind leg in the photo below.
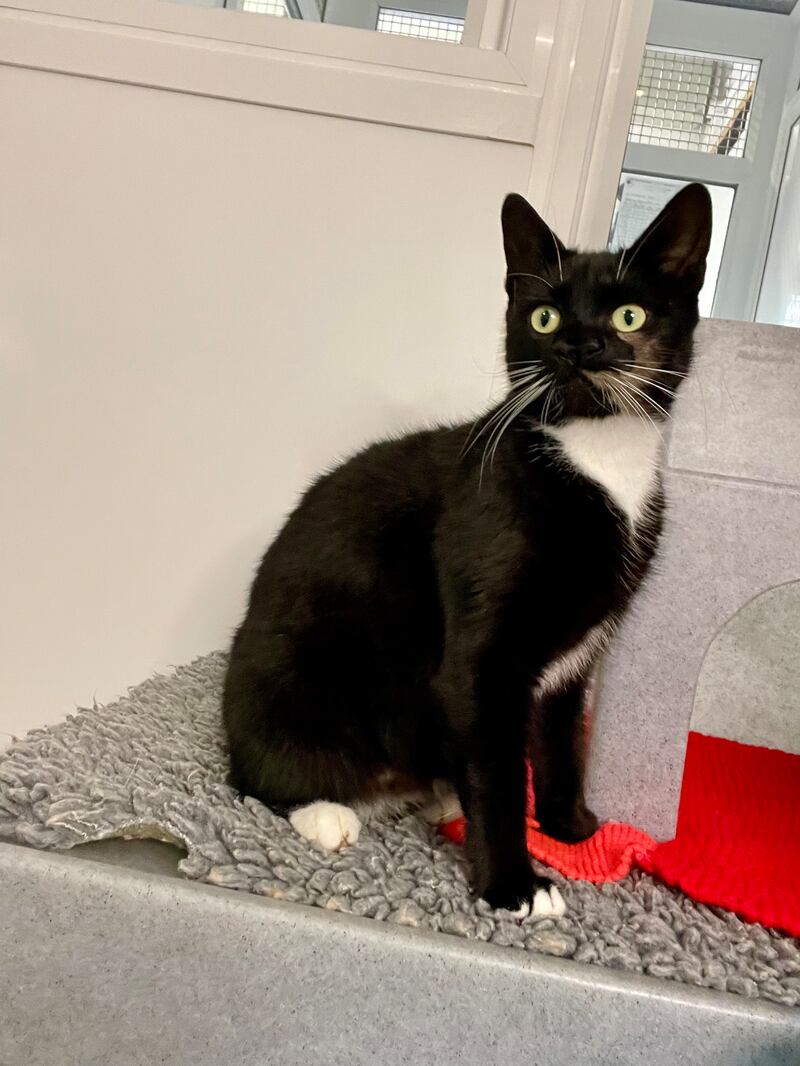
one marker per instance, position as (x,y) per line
(385,794)
(443,804)
(557,749)
(335,825)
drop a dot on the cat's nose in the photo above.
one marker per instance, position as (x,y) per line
(586,352)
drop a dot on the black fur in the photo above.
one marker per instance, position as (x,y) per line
(399,622)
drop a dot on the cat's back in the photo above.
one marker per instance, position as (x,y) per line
(376,511)
(386,481)
(387,476)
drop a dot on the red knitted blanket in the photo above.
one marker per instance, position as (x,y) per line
(737,843)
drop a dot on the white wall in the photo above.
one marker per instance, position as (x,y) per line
(202,303)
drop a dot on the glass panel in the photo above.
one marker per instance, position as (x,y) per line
(640,198)
(415,24)
(266,7)
(433,20)
(696,101)
(780,289)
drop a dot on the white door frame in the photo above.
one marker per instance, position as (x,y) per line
(556,75)
(753,35)
(789,118)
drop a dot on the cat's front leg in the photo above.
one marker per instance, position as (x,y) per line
(493,795)
(483,687)
(557,745)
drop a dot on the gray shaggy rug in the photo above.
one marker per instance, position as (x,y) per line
(153,765)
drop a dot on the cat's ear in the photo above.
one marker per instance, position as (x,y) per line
(676,242)
(531,246)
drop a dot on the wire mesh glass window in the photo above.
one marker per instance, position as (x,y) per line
(420,24)
(694,100)
(266,7)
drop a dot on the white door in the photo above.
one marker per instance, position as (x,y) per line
(779,300)
(708,109)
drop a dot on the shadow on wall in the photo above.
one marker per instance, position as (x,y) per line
(747,688)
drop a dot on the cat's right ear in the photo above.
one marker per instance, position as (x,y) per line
(676,242)
(531,246)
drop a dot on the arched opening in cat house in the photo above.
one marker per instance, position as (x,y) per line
(748,688)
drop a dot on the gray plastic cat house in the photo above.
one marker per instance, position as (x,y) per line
(732,535)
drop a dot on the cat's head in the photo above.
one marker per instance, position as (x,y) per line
(590,334)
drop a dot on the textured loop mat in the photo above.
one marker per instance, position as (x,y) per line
(737,843)
(609,855)
(153,764)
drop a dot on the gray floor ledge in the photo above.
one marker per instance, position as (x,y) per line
(103,964)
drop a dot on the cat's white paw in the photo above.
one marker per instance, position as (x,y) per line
(549,903)
(522,911)
(331,825)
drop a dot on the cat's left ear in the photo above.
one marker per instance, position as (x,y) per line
(531,246)
(677,241)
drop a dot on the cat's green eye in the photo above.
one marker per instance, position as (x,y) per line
(545,319)
(628,318)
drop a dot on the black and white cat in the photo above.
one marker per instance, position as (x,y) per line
(431,611)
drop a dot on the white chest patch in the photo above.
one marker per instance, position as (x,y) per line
(620,453)
(574,664)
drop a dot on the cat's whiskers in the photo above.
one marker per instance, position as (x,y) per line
(654,403)
(493,420)
(558,255)
(658,370)
(606,398)
(477,429)
(519,274)
(633,407)
(516,375)
(623,401)
(515,401)
(621,261)
(493,443)
(510,411)
(652,384)
(639,392)
(636,403)
(499,371)
(503,371)
(546,410)
(604,381)
(628,401)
